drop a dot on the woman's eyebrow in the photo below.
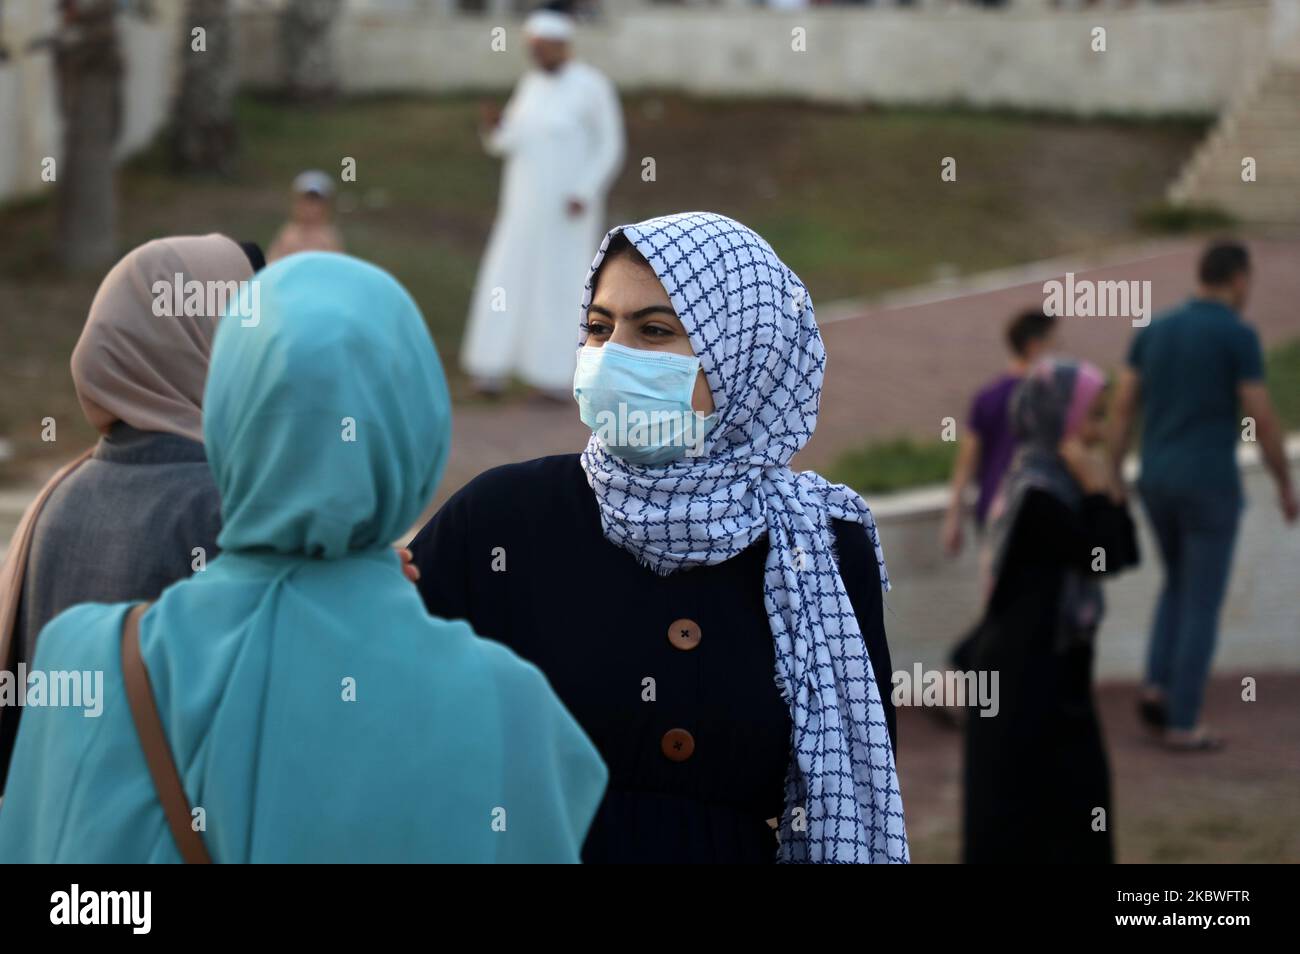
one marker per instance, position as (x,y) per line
(637,315)
(653,310)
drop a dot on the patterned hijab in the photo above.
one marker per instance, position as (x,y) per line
(750,322)
(1047,407)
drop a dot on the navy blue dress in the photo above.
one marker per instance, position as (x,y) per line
(673,678)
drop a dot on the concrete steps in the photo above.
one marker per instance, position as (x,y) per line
(1263,122)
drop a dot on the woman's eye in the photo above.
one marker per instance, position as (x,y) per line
(656,331)
(596,329)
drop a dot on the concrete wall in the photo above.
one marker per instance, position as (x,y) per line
(1183,57)
(30,127)
(935,600)
(28,105)
(1186,57)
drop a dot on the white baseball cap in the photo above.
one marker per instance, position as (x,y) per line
(314,182)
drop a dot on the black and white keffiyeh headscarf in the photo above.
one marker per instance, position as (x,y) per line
(750,321)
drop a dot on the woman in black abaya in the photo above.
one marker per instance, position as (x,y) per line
(1037,780)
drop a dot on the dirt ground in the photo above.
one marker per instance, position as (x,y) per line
(1241,804)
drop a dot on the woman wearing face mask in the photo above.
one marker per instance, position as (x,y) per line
(1037,783)
(711,618)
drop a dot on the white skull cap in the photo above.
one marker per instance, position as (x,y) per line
(549,25)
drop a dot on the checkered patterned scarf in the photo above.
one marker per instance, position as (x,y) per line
(750,321)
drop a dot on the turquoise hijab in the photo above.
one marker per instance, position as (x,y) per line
(316,712)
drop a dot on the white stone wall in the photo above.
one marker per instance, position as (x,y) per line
(28,106)
(1184,57)
(1171,58)
(30,127)
(935,599)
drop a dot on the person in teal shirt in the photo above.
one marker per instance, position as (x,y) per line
(1195,373)
(315,711)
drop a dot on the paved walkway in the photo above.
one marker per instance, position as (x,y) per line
(899,368)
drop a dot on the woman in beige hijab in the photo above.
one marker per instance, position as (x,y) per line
(139,510)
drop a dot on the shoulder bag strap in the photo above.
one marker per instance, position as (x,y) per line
(148,725)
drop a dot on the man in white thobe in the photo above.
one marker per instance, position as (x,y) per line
(561,135)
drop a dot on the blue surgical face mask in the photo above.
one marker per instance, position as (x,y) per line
(639,403)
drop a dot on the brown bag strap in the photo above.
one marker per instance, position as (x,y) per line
(148,725)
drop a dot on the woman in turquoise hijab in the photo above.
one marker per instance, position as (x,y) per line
(315,711)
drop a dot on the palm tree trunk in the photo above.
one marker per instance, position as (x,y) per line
(88,63)
(306,48)
(203,115)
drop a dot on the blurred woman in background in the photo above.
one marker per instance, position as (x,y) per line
(1037,780)
(138,511)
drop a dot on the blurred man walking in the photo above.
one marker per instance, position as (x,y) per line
(1195,372)
(562,138)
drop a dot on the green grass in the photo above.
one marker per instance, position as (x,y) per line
(1180,219)
(851,198)
(886,466)
(1282,370)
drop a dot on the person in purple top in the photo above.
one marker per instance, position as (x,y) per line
(985,452)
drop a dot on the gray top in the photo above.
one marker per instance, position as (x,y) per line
(122,526)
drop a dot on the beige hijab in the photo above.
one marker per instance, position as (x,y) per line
(132,365)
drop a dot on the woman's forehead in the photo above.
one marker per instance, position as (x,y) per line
(625,280)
